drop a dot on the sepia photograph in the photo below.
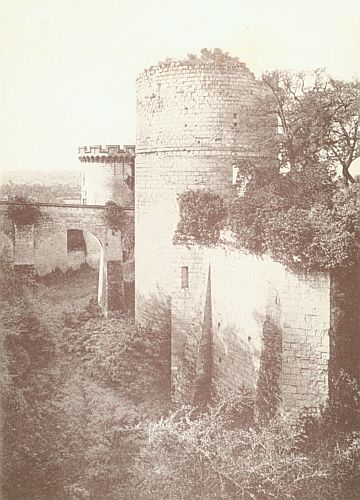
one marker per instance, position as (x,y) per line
(179,250)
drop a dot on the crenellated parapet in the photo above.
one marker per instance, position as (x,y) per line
(107,173)
(107,154)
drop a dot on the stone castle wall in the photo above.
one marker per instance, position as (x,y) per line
(107,174)
(245,291)
(44,246)
(193,125)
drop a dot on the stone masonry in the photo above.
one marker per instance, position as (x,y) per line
(195,130)
(107,174)
(245,290)
(192,127)
(44,246)
(195,123)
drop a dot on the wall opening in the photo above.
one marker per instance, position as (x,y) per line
(75,241)
(185,277)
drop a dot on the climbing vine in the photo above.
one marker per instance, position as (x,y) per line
(202,214)
(268,388)
(22,212)
(113,215)
(305,220)
(118,220)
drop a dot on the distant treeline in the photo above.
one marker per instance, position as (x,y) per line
(37,192)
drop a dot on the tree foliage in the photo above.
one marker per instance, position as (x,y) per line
(39,192)
(304,221)
(82,400)
(319,120)
(297,212)
(29,416)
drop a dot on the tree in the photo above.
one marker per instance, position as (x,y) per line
(342,141)
(318,120)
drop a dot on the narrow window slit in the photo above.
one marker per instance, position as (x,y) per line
(185,277)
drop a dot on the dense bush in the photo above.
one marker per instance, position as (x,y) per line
(29,416)
(82,406)
(22,212)
(304,220)
(210,455)
(113,215)
(207,57)
(201,216)
(129,358)
(75,390)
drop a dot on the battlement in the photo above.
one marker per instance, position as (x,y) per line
(106,154)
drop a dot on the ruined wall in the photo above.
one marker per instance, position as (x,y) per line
(192,126)
(44,246)
(245,291)
(51,250)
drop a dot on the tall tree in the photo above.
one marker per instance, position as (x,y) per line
(342,142)
(318,119)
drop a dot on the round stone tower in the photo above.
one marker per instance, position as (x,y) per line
(107,174)
(193,129)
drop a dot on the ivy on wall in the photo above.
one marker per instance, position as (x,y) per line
(202,214)
(304,220)
(117,220)
(268,383)
(22,212)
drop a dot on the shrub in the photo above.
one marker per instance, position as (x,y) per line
(23,213)
(120,354)
(113,215)
(303,219)
(201,216)
(208,455)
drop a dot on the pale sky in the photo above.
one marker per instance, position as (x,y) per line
(68,67)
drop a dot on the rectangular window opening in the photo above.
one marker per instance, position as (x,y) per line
(185,277)
(75,241)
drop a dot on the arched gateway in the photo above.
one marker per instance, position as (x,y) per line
(72,222)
